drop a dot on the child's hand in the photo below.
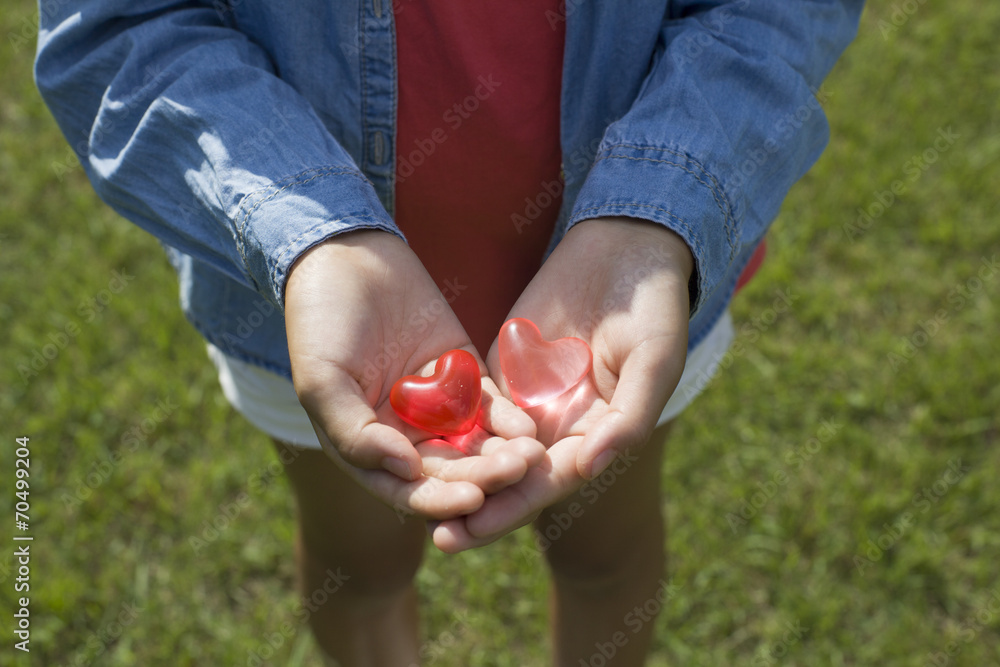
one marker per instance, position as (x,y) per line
(360,313)
(622,286)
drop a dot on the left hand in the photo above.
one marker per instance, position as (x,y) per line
(361,312)
(620,284)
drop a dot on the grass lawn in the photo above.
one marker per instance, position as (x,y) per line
(832,497)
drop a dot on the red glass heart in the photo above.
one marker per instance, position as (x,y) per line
(537,370)
(446,403)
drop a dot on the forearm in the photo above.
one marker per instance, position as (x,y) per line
(726,121)
(184,128)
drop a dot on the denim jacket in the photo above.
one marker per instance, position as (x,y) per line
(241,133)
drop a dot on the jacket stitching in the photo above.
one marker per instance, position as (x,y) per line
(680,221)
(719,201)
(294,180)
(298,179)
(291,244)
(363,64)
(273,272)
(708,174)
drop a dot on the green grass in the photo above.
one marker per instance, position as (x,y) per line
(898,422)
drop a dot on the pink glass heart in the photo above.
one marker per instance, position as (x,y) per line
(446,403)
(537,370)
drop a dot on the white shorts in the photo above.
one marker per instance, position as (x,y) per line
(268,400)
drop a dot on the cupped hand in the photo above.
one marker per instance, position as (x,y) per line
(621,285)
(360,313)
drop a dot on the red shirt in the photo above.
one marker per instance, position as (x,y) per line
(478,148)
(478,157)
(756,259)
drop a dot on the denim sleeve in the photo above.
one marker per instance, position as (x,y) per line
(726,121)
(183,127)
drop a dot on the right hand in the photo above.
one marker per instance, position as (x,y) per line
(360,313)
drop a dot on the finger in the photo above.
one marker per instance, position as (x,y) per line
(572,413)
(648,377)
(426,497)
(453,536)
(501,463)
(468,443)
(339,411)
(543,485)
(530,449)
(499,415)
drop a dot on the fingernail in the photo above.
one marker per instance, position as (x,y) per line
(432,526)
(397,467)
(601,463)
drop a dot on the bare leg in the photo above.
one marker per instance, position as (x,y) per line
(353,544)
(607,560)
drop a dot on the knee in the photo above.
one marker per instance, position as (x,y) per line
(376,571)
(602,564)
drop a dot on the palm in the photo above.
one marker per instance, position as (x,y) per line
(361,312)
(621,286)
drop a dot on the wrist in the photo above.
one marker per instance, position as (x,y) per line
(621,230)
(355,247)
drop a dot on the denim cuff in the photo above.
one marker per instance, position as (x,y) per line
(671,188)
(278,223)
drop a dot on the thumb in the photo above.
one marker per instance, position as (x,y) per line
(347,425)
(647,379)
